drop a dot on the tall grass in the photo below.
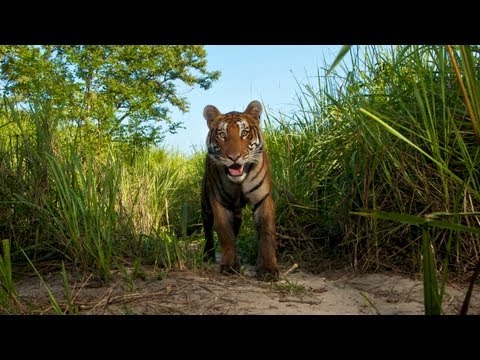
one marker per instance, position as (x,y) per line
(64,200)
(439,138)
(85,219)
(310,150)
(394,131)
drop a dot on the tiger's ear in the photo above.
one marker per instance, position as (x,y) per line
(254,109)
(210,113)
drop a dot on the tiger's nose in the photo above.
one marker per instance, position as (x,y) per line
(233,156)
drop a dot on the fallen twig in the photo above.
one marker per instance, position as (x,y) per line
(293,267)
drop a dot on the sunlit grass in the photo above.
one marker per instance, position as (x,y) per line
(391,134)
(395,131)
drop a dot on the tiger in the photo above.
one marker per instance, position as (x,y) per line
(237,173)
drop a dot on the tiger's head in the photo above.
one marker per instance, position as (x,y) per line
(235,140)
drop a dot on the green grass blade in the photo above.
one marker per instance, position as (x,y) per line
(8,293)
(403,138)
(402,218)
(420,220)
(53,300)
(432,301)
(341,54)
(468,295)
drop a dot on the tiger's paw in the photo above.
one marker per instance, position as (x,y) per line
(268,274)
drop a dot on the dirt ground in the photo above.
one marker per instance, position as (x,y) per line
(206,292)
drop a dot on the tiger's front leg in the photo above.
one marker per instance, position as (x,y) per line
(264,215)
(224,225)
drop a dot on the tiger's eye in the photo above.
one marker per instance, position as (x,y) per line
(222,135)
(244,133)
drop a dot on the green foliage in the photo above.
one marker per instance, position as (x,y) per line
(390,134)
(393,133)
(247,242)
(289,287)
(79,179)
(8,293)
(432,300)
(85,219)
(343,51)
(433,297)
(307,152)
(72,308)
(390,131)
(91,208)
(105,93)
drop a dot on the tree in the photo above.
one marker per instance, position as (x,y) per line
(112,92)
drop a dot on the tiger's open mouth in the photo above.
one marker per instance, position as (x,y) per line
(235,170)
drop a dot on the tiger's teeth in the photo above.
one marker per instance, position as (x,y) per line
(235,170)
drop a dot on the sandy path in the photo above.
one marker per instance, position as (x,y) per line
(207,292)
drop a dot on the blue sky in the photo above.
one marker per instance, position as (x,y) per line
(249,72)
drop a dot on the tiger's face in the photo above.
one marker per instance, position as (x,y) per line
(234,141)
